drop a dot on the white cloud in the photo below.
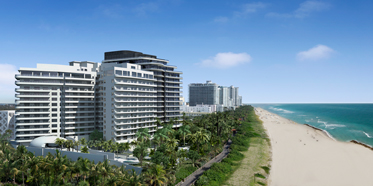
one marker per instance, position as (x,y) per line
(250,8)
(7,79)
(112,11)
(304,10)
(310,6)
(316,53)
(144,8)
(245,10)
(226,60)
(221,20)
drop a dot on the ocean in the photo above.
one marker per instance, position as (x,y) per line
(344,122)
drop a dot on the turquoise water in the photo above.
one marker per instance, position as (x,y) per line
(345,122)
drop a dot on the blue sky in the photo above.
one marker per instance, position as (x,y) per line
(275,51)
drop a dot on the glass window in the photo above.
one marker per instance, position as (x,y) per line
(139,74)
(133,67)
(118,72)
(151,76)
(133,74)
(125,73)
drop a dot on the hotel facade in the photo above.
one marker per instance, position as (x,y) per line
(127,91)
(212,94)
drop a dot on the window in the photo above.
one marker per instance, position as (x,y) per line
(133,74)
(54,131)
(54,126)
(54,115)
(151,76)
(54,99)
(54,93)
(125,73)
(54,120)
(118,72)
(139,74)
(54,104)
(54,110)
(133,67)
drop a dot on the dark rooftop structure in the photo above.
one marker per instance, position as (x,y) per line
(125,54)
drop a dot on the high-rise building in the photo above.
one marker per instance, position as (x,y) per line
(128,91)
(212,94)
(204,93)
(55,100)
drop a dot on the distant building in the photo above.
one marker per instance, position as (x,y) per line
(203,93)
(212,94)
(7,121)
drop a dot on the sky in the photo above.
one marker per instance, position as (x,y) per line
(274,51)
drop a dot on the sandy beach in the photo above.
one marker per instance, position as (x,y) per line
(303,156)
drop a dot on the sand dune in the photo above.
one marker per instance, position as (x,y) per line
(303,156)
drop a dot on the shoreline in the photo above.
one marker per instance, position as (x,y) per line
(306,155)
(354,141)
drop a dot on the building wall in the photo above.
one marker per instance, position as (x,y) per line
(212,94)
(128,99)
(203,93)
(7,121)
(55,100)
(72,101)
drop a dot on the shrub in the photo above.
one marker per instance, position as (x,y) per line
(184,172)
(202,181)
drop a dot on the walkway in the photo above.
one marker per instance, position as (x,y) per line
(193,177)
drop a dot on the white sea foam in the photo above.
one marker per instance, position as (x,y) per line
(281,110)
(330,126)
(336,125)
(369,136)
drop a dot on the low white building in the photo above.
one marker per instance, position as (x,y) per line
(7,121)
(202,108)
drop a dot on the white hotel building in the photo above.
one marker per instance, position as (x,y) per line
(128,91)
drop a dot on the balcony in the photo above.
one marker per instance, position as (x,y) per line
(134,90)
(32,90)
(29,76)
(131,123)
(124,82)
(37,83)
(136,95)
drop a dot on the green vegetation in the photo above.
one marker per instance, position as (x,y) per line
(255,159)
(7,107)
(237,165)
(204,136)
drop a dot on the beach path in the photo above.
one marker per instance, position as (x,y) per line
(305,156)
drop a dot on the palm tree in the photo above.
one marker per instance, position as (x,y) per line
(114,147)
(105,170)
(106,146)
(60,142)
(84,149)
(23,158)
(184,131)
(156,175)
(134,179)
(76,144)
(83,141)
(161,135)
(140,151)
(143,134)
(172,143)
(200,137)
(14,172)
(68,144)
